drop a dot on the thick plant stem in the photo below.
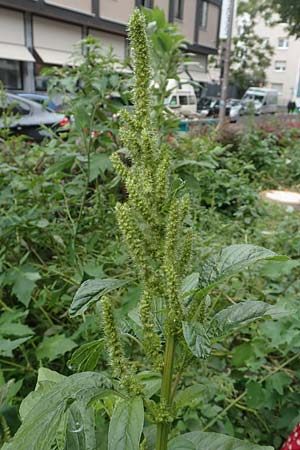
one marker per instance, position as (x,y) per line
(166,400)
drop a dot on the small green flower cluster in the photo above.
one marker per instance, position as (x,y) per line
(152,219)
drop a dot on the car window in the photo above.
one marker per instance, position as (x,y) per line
(183,99)
(19,108)
(173,101)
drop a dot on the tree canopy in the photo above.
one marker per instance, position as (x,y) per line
(289,11)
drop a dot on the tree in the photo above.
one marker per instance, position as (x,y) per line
(251,54)
(289,11)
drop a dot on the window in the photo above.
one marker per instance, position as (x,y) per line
(173,101)
(147,3)
(10,74)
(20,108)
(192,100)
(277,86)
(203,18)
(183,100)
(178,9)
(283,42)
(280,66)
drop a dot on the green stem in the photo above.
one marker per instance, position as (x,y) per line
(163,427)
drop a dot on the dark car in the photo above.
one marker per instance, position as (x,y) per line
(210,106)
(27,117)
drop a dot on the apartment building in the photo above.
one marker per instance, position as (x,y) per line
(39,33)
(283,74)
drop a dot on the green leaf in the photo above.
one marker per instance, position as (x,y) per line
(7,345)
(151,382)
(99,163)
(86,357)
(126,425)
(200,440)
(90,291)
(24,281)
(241,314)
(15,329)
(232,260)
(196,337)
(190,395)
(43,421)
(54,346)
(189,285)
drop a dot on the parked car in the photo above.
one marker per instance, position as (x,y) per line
(210,107)
(27,117)
(42,99)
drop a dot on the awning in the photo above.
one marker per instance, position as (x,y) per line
(15,52)
(54,56)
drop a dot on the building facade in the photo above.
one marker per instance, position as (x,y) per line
(39,33)
(283,74)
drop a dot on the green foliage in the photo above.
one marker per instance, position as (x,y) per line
(289,11)
(232,375)
(211,441)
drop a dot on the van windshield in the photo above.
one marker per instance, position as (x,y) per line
(254,97)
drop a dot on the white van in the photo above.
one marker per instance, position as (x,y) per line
(182,98)
(262,100)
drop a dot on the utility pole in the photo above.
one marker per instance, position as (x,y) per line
(224,87)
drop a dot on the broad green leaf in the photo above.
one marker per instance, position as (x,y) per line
(200,440)
(86,357)
(232,260)
(53,346)
(189,285)
(190,395)
(241,314)
(196,337)
(90,291)
(126,425)
(43,421)
(45,381)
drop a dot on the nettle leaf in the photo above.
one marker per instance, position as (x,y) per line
(24,280)
(200,440)
(197,339)
(44,420)
(126,425)
(232,260)
(86,357)
(242,313)
(90,291)
(8,345)
(53,346)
